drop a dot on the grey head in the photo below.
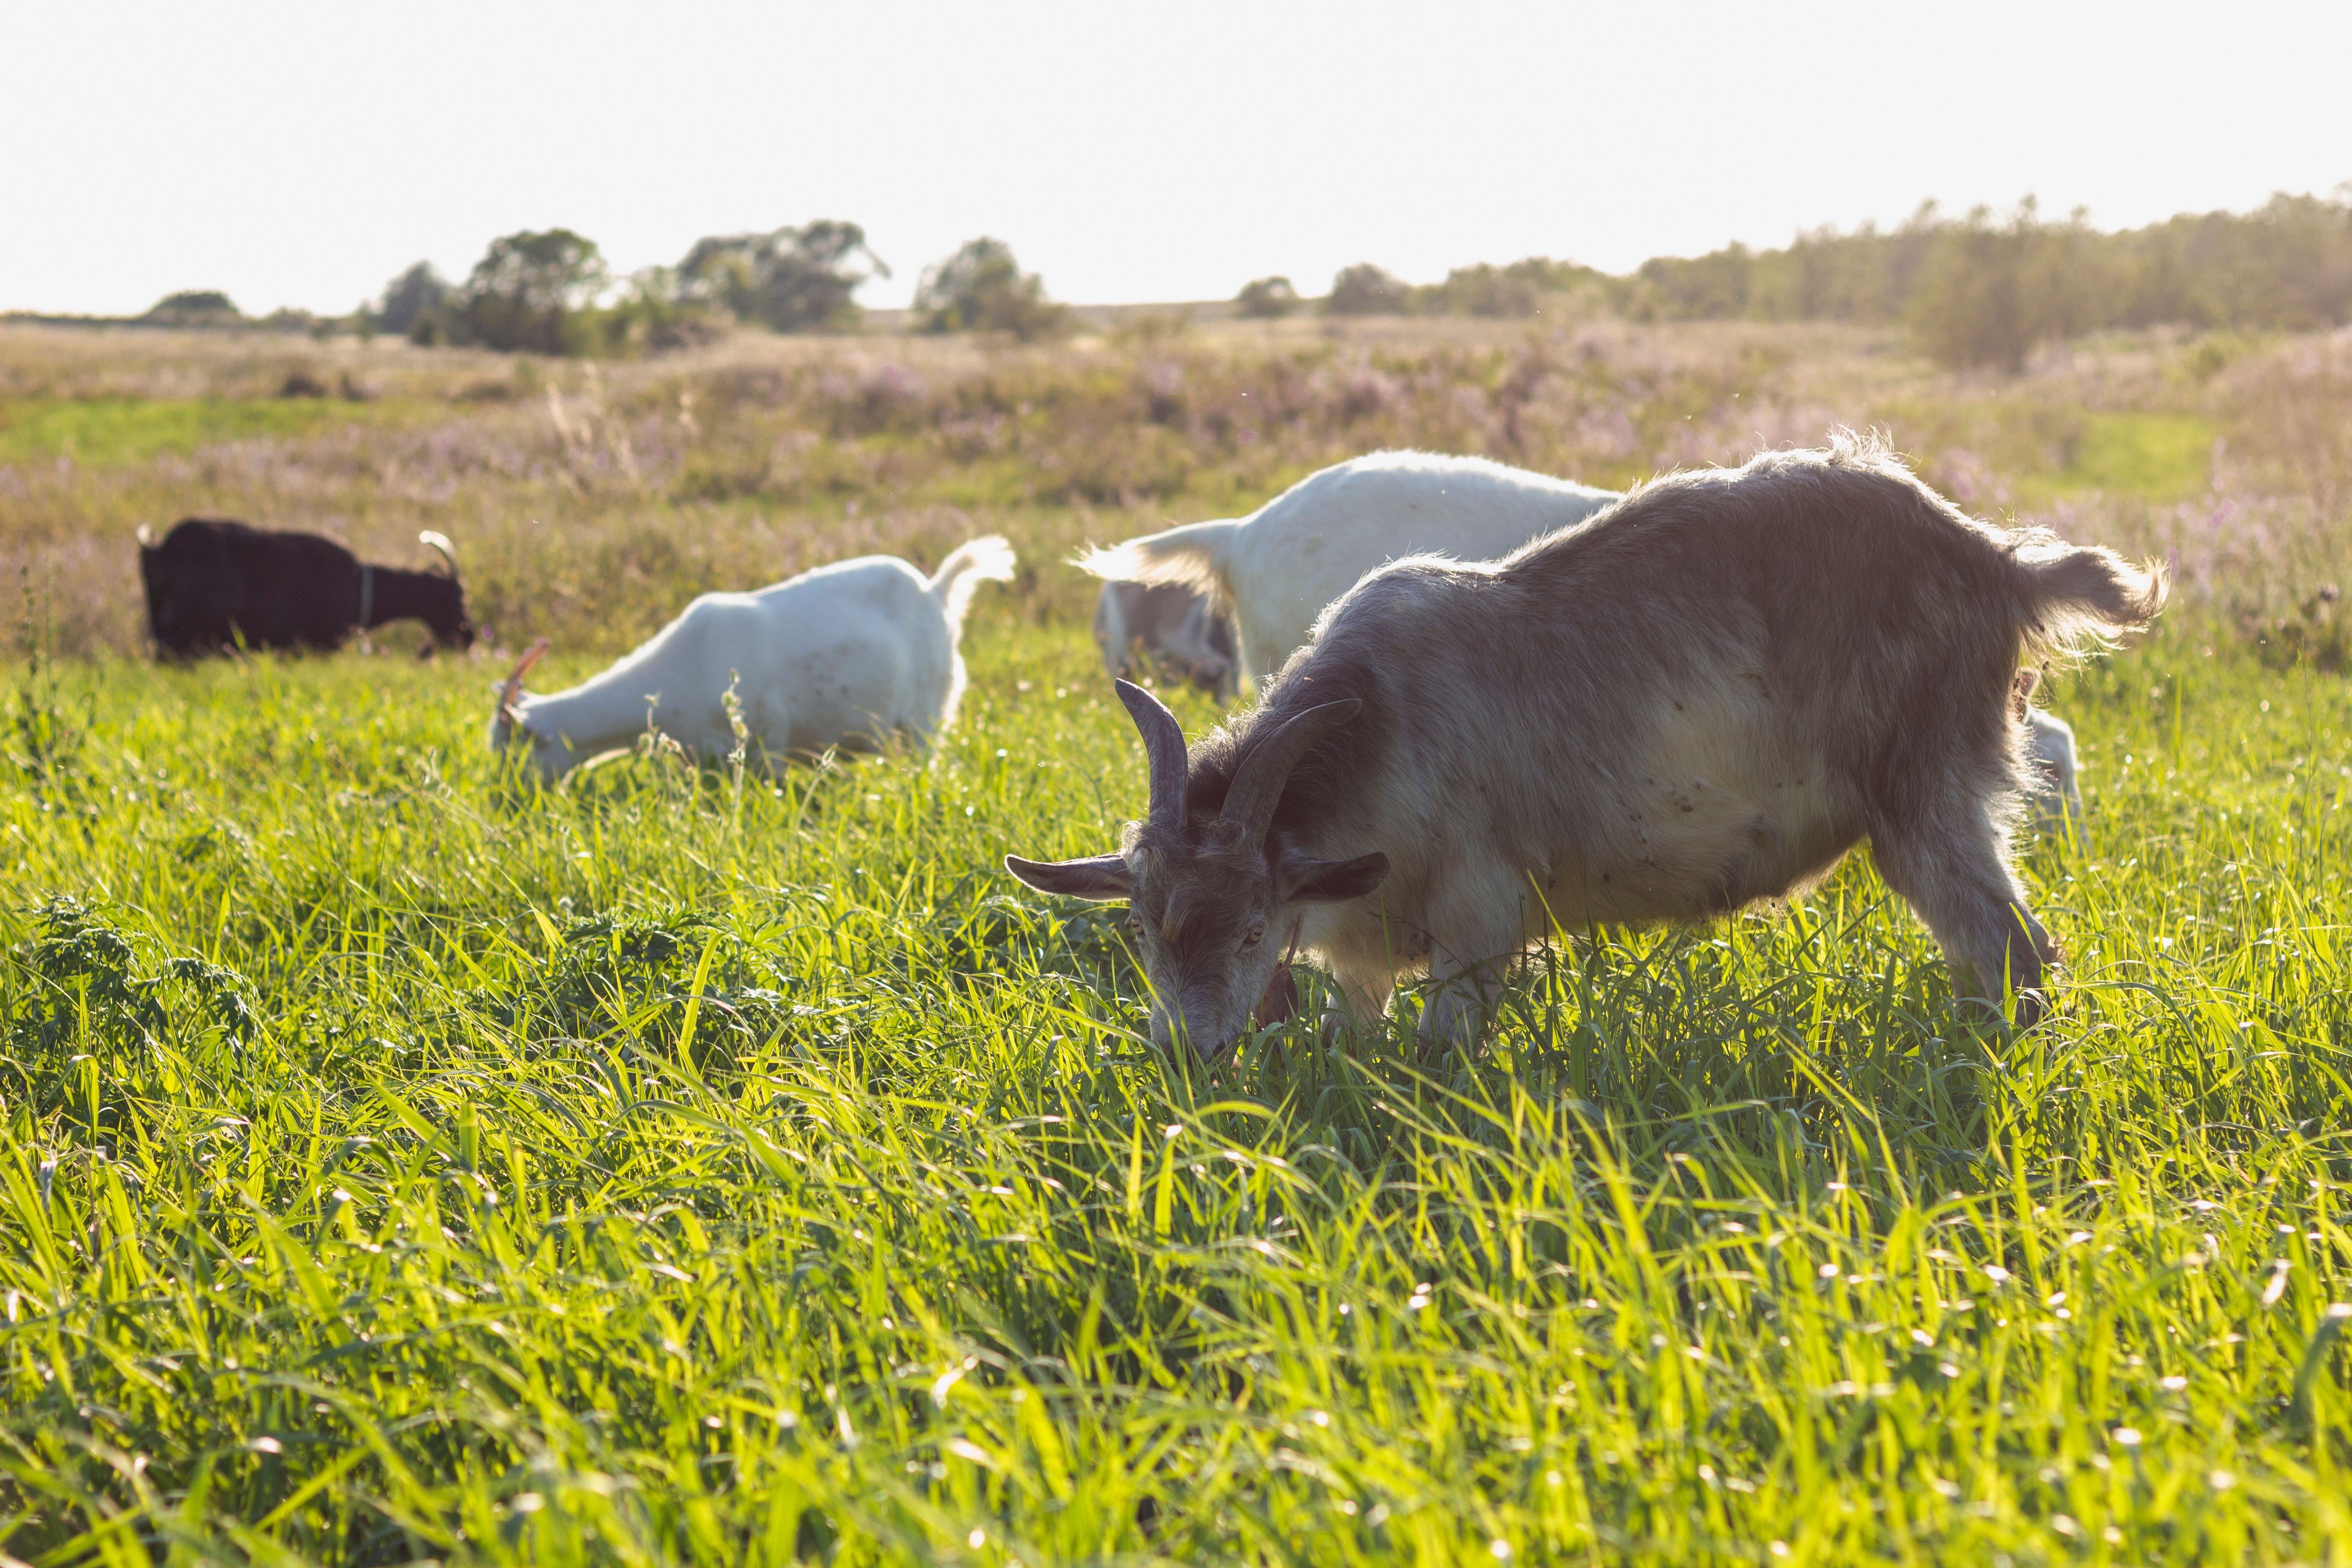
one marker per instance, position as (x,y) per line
(1212,898)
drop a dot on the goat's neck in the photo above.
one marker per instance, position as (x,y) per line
(609,711)
(398,594)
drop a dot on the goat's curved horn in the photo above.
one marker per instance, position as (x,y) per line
(511,687)
(1163,747)
(1257,783)
(435,540)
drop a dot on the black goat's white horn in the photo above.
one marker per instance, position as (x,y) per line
(1258,782)
(1164,748)
(433,539)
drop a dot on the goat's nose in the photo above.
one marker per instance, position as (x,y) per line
(1207,1044)
(1174,1029)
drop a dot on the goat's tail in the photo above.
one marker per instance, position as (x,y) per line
(1193,555)
(988,559)
(2077,595)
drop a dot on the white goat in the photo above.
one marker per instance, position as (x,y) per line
(1172,628)
(1280,566)
(2056,798)
(847,655)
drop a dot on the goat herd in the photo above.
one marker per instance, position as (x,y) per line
(1491,704)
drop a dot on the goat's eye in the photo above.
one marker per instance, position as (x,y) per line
(1257,931)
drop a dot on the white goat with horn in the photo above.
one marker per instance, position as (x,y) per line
(848,654)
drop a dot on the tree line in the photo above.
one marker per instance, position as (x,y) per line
(1976,289)
(550,291)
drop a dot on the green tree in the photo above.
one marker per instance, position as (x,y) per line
(1525,287)
(194,307)
(794,279)
(409,300)
(981,288)
(1368,290)
(1267,297)
(531,292)
(1989,292)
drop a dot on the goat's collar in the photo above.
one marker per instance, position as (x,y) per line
(367,595)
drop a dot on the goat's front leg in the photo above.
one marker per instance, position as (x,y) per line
(1467,964)
(1358,1002)
(1462,1000)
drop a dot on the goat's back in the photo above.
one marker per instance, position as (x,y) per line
(1700,697)
(849,653)
(1307,547)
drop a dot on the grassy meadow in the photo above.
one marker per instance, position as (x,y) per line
(404,1163)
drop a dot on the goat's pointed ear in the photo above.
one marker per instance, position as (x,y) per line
(1332,881)
(1099,877)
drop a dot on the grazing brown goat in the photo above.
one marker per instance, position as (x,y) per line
(1701,698)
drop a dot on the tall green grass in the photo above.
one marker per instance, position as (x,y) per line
(403,1162)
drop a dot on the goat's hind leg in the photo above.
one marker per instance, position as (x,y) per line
(1951,865)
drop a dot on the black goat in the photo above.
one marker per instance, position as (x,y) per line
(214,586)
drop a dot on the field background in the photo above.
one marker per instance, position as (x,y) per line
(403,1163)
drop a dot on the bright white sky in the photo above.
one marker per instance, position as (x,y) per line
(302,154)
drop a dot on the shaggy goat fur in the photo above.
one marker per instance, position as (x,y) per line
(1283,565)
(1701,698)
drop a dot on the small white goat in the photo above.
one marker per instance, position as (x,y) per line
(847,655)
(1283,564)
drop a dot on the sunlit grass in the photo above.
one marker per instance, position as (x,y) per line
(2154,457)
(401,1162)
(113,431)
